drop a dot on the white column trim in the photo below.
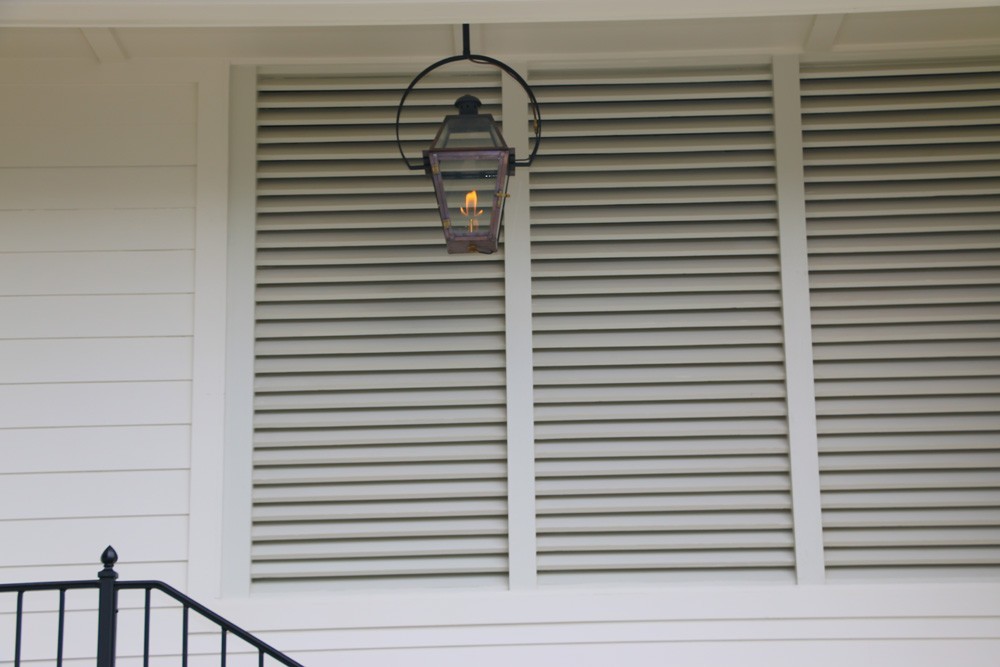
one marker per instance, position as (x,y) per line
(209,345)
(803,443)
(520,399)
(237,478)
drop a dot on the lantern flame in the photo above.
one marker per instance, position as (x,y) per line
(470,209)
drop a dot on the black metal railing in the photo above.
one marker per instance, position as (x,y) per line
(108,586)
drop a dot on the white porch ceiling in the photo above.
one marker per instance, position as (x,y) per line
(247,30)
(200,13)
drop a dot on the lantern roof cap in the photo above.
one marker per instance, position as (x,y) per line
(468,105)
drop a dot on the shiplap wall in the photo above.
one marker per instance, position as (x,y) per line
(97,212)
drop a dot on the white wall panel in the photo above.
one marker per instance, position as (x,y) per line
(94,360)
(137,272)
(89,105)
(89,494)
(97,222)
(68,146)
(97,187)
(70,541)
(46,230)
(89,448)
(171,572)
(95,404)
(821,653)
(96,316)
(84,125)
(748,625)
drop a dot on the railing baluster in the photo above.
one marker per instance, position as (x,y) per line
(145,636)
(184,638)
(62,627)
(260,658)
(17,629)
(223,657)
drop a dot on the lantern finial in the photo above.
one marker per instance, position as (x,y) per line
(468,105)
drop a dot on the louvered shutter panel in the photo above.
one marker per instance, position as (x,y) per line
(661,436)
(379,446)
(903,203)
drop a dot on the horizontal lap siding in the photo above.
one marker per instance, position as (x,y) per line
(97,196)
(379,447)
(661,438)
(903,204)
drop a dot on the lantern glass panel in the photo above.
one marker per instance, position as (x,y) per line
(470,189)
(468,131)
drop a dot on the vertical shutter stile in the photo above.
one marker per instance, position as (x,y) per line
(903,206)
(379,446)
(661,435)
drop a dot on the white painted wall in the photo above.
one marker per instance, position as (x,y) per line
(112,321)
(97,231)
(112,261)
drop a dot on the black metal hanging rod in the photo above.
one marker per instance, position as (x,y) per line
(479,60)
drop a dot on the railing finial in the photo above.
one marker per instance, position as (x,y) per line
(109,557)
(107,609)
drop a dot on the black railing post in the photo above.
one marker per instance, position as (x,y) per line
(107,610)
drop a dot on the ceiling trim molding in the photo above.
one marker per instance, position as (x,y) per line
(263,13)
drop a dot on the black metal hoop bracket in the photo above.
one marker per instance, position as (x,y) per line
(479,60)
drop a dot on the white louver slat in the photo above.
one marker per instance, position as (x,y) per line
(660,424)
(903,206)
(379,450)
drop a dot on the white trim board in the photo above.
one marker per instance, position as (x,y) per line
(208,390)
(152,13)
